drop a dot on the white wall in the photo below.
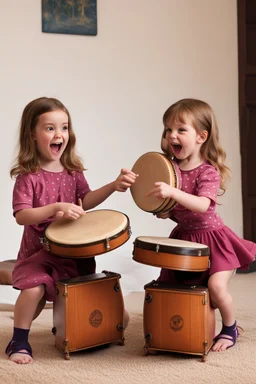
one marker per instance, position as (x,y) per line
(147,55)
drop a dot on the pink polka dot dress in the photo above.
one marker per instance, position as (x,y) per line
(34,265)
(227,250)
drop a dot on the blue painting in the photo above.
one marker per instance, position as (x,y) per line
(75,17)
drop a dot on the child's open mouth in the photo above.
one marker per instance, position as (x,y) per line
(176,148)
(56,147)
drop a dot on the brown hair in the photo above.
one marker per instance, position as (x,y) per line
(202,118)
(27,159)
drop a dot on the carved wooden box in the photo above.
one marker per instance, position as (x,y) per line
(178,318)
(88,311)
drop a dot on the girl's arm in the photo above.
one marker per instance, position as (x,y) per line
(32,216)
(193,203)
(123,181)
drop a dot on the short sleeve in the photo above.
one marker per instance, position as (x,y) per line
(82,186)
(23,192)
(209,183)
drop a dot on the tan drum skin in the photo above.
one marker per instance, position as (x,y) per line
(152,167)
(169,253)
(95,233)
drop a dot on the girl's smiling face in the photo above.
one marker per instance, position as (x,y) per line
(184,142)
(51,136)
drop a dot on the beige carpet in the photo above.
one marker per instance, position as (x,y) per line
(127,364)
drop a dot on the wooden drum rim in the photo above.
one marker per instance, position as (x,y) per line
(169,249)
(169,203)
(180,255)
(92,243)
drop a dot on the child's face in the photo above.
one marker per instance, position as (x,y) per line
(183,139)
(51,136)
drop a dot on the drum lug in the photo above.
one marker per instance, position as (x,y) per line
(120,327)
(148,298)
(65,293)
(116,287)
(148,336)
(129,231)
(45,243)
(157,247)
(205,347)
(107,245)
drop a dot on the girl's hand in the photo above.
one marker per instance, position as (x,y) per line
(70,211)
(125,180)
(161,190)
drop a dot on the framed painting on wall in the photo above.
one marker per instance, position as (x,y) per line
(74,17)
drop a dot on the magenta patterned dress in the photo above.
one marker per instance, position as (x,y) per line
(34,265)
(227,250)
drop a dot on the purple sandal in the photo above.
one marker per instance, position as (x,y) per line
(17,347)
(231,331)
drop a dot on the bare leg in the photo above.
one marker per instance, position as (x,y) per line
(24,312)
(39,308)
(126,319)
(221,299)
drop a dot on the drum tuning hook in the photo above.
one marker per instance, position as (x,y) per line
(45,243)
(157,247)
(107,245)
(148,298)
(148,337)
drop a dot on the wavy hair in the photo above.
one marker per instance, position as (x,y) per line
(27,160)
(202,118)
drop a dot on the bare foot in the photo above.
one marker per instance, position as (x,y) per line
(21,358)
(222,344)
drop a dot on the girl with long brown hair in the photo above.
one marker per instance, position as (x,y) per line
(191,138)
(49,184)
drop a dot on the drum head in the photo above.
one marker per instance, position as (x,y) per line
(93,227)
(151,167)
(180,247)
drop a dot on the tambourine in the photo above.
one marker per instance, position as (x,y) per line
(152,167)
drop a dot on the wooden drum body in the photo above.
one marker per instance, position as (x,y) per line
(178,318)
(94,233)
(88,311)
(152,167)
(171,253)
